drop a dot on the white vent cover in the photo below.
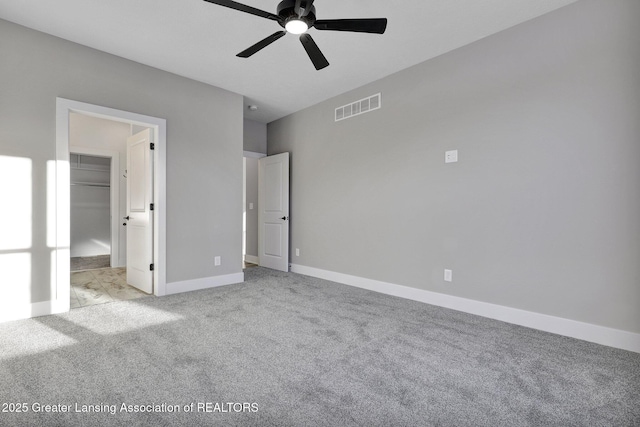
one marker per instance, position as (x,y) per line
(359,107)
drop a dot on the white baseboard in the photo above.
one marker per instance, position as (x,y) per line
(252,259)
(203,283)
(557,325)
(36,309)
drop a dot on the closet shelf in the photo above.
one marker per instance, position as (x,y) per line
(91,184)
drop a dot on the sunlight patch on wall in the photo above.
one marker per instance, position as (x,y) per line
(102,244)
(53,277)
(16,192)
(15,287)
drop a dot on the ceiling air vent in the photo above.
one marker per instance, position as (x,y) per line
(359,107)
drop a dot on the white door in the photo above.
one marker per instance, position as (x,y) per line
(139,213)
(273,214)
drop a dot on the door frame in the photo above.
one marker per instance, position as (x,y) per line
(114,197)
(60,245)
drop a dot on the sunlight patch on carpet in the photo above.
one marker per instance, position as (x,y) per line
(118,318)
(39,339)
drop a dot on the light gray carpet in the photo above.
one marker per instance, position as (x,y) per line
(309,353)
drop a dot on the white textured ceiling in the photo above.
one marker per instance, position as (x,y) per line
(199,40)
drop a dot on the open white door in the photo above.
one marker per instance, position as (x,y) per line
(139,211)
(273,216)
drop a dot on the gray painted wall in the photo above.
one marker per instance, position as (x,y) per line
(255,136)
(541,213)
(204,145)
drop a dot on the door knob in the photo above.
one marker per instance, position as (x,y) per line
(284,218)
(124,223)
(126,217)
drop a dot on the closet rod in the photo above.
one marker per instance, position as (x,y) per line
(90,184)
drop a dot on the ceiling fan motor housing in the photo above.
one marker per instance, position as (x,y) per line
(286,11)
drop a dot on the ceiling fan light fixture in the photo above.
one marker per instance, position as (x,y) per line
(296,26)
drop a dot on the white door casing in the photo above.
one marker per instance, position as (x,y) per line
(273,214)
(139,218)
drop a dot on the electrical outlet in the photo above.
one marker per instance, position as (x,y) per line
(217,260)
(250,206)
(451,156)
(297,251)
(448,275)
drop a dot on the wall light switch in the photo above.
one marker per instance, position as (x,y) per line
(451,156)
(448,275)
(217,260)
(250,206)
(297,252)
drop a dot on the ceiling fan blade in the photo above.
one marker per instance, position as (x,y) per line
(318,59)
(244,8)
(261,44)
(376,26)
(307,7)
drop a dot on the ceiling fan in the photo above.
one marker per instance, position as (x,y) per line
(296,17)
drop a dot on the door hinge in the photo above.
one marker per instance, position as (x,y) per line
(152,146)
(151,207)
(150,267)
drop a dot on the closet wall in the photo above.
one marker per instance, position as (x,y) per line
(90,206)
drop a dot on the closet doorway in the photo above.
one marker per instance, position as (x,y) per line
(58,206)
